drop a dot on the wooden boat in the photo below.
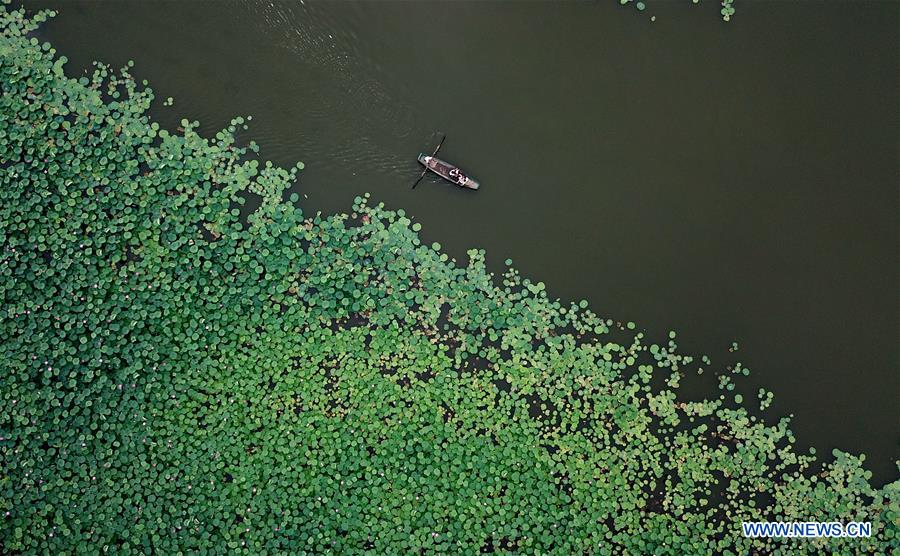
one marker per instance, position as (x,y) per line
(447,171)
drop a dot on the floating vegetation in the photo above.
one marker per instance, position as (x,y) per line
(765,399)
(179,377)
(727,10)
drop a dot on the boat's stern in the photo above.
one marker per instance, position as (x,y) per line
(423,159)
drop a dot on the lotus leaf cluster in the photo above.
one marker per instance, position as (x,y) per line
(181,374)
(727,7)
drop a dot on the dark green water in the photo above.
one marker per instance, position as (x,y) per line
(729,181)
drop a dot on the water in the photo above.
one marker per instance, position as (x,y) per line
(728,181)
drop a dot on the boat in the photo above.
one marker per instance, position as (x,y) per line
(447,171)
(444,169)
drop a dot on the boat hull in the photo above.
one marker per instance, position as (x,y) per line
(444,169)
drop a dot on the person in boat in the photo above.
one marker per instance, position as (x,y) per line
(457,175)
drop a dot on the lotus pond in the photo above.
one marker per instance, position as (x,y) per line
(182,375)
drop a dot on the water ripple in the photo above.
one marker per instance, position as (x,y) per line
(351,100)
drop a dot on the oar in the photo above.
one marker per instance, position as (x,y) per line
(420,177)
(425,171)
(439,145)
